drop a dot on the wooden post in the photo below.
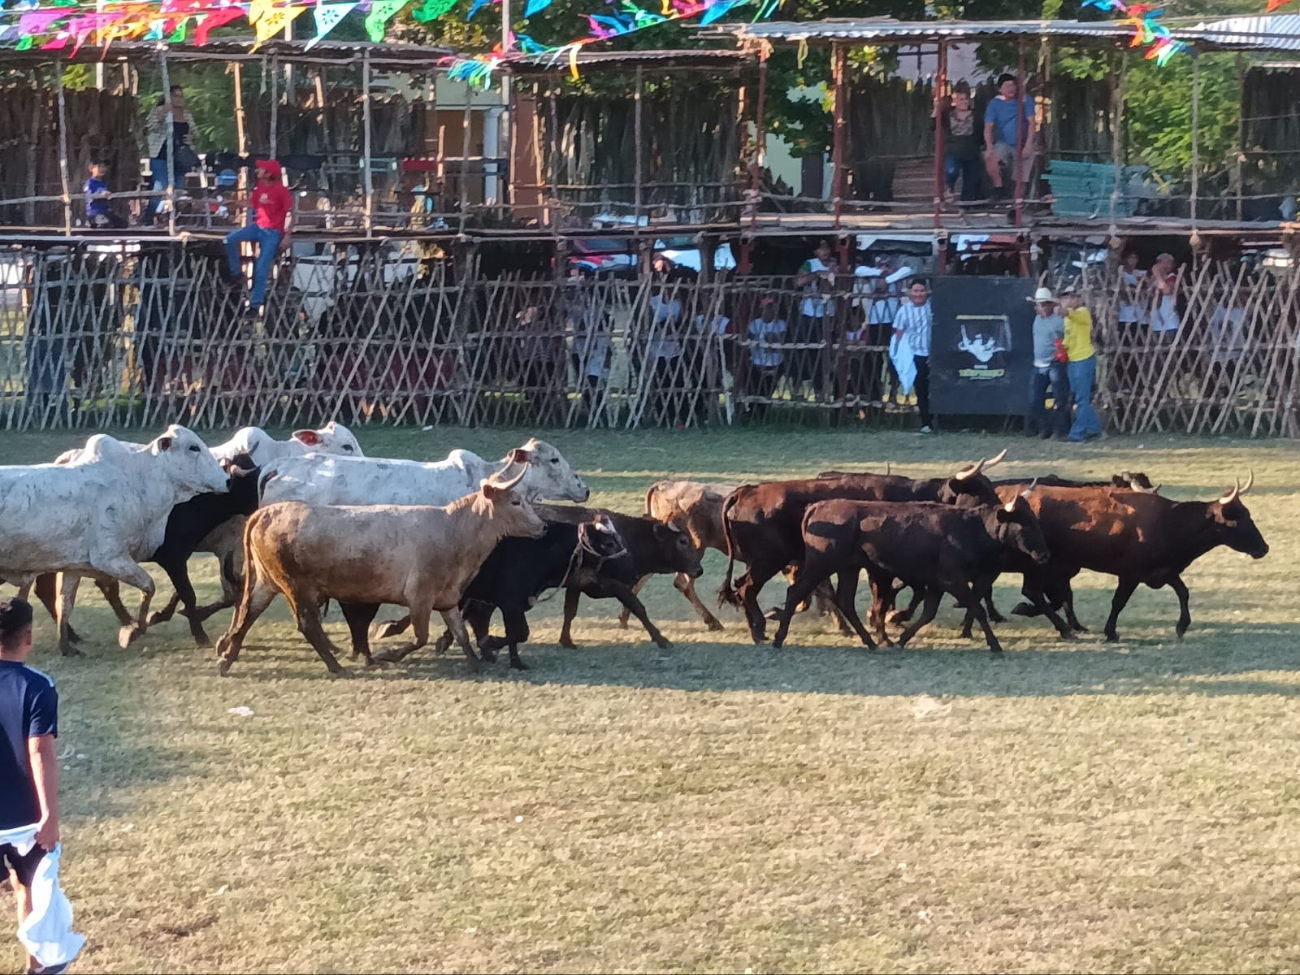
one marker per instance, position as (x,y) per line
(366,177)
(1241,130)
(940,89)
(1196,125)
(1117,129)
(464,159)
(1016,167)
(760,143)
(639,170)
(63,149)
(553,198)
(171,139)
(275,105)
(839,56)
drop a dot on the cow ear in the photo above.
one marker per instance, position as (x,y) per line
(165,443)
(603,524)
(490,490)
(521,455)
(309,437)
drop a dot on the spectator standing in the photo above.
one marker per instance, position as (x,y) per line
(816,278)
(664,350)
(1132,314)
(1050,371)
(169,161)
(592,349)
(1227,326)
(267,228)
(1164,316)
(961,145)
(1003,145)
(915,321)
(29,771)
(99,214)
(1081,367)
(766,334)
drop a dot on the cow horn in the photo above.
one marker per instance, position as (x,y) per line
(970,470)
(1029,490)
(998,459)
(1250,480)
(507,485)
(889,468)
(1010,506)
(1232,494)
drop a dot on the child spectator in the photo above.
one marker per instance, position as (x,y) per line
(98,212)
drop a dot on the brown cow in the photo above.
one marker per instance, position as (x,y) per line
(1141,538)
(762,521)
(419,556)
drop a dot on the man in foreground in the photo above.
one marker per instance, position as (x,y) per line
(29,787)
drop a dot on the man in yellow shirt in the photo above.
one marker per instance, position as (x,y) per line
(1082,367)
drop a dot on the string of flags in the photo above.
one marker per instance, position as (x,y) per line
(69,24)
(1148,31)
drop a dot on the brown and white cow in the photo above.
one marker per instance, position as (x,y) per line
(420,556)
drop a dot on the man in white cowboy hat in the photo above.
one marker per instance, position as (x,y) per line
(1050,371)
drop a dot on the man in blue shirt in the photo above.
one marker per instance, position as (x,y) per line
(1003,142)
(29,771)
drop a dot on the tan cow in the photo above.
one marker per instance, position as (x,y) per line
(419,556)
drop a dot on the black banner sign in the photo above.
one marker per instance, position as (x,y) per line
(981,350)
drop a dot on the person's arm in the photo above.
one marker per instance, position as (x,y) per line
(990,128)
(1027,148)
(45,774)
(803,275)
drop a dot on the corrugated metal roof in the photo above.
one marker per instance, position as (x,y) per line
(1280,32)
(231,48)
(659,60)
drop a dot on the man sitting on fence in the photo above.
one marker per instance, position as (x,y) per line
(267,229)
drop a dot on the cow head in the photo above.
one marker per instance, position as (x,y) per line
(1018,528)
(506,509)
(677,550)
(1236,528)
(969,487)
(604,551)
(332,438)
(548,476)
(189,461)
(243,481)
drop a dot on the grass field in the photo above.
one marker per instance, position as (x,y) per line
(715,807)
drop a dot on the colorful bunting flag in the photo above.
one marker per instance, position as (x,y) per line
(432,10)
(381,12)
(536,7)
(273,22)
(328,16)
(208,22)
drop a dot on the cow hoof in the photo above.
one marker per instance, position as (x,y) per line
(487,654)
(568,645)
(341,673)
(127,635)
(223,668)
(996,617)
(1181,630)
(69,651)
(1023,609)
(714,626)
(1068,636)
(518,665)
(774,614)
(664,644)
(156,618)
(1112,637)
(996,652)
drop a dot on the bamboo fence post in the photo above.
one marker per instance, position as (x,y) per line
(838,57)
(275,106)
(464,162)
(33,137)
(1196,130)
(636,138)
(170,145)
(553,198)
(1116,134)
(241,135)
(940,85)
(63,149)
(1241,131)
(367,177)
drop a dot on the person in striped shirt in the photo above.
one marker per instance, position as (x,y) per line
(915,320)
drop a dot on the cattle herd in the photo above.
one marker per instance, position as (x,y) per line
(316,521)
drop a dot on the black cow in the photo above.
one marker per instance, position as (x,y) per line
(653,547)
(763,521)
(188,524)
(1143,539)
(938,548)
(590,555)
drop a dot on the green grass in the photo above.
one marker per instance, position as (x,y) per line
(717,807)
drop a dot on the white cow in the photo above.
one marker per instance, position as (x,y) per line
(344,480)
(332,438)
(100,514)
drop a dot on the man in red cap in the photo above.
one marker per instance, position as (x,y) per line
(271,208)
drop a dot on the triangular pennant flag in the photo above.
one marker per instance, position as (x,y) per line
(715,11)
(259,9)
(273,21)
(536,7)
(211,21)
(475,7)
(433,9)
(328,16)
(381,12)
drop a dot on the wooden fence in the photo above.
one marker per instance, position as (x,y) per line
(98,337)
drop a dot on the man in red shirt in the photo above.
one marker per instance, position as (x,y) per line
(271,208)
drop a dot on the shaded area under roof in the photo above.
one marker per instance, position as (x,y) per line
(698,60)
(1255,33)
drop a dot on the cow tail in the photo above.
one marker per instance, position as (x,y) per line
(727,594)
(250,571)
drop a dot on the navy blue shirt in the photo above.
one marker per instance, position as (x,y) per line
(29,708)
(96,207)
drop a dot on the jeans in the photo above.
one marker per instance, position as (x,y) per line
(971,172)
(1082,375)
(158,172)
(268,242)
(1053,376)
